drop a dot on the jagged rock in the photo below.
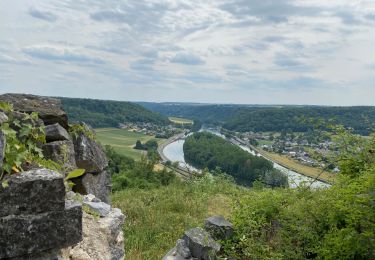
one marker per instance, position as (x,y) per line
(219,227)
(2,149)
(32,192)
(201,244)
(173,255)
(89,154)
(98,184)
(49,109)
(3,118)
(182,249)
(56,132)
(61,152)
(28,234)
(101,208)
(102,238)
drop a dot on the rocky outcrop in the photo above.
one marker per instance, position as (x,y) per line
(198,243)
(89,154)
(36,220)
(102,234)
(48,109)
(34,215)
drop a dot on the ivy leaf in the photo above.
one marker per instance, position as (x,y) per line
(5,184)
(74,174)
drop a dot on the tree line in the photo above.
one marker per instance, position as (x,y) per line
(205,150)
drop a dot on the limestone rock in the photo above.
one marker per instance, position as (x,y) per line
(49,109)
(98,184)
(28,234)
(32,192)
(61,152)
(101,208)
(102,238)
(219,227)
(182,249)
(201,244)
(89,154)
(56,132)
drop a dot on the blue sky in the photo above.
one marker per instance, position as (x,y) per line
(216,51)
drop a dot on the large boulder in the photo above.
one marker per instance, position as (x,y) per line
(34,215)
(201,244)
(32,192)
(89,154)
(219,227)
(49,109)
(56,132)
(98,184)
(61,152)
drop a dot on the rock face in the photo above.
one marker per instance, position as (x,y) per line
(61,152)
(201,244)
(102,237)
(89,154)
(98,184)
(219,227)
(34,216)
(56,132)
(49,109)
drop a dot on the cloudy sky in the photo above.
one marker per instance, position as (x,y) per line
(217,51)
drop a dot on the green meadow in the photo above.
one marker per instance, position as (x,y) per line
(123,141)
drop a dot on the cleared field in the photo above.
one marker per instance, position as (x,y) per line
(123,141)
(295,166)
(179,120)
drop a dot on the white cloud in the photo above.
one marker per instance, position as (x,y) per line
(248,51)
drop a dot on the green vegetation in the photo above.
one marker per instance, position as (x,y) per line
(182,121)
(123,141)
(104,113)
(208,150)
(243,118)
(127,173)
(24,137)
(156,218)
(334,223)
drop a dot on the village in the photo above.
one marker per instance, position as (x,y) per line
(301,147)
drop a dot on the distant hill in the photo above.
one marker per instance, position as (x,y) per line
(244,118)
(105,113)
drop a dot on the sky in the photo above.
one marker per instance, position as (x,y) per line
(318,52)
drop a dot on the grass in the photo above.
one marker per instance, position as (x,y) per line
(123,140)
(179,120)
(157,218)
(298,167)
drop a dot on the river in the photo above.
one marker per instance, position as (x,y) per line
(175,153)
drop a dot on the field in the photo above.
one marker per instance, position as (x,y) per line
(293,165)
(181,120)
(122,140)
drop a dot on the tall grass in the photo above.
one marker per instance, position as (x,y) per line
(156,218)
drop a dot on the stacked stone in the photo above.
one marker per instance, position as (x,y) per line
(73,152)
(34,215)
(198,243)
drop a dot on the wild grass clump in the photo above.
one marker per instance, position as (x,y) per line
(156,218)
